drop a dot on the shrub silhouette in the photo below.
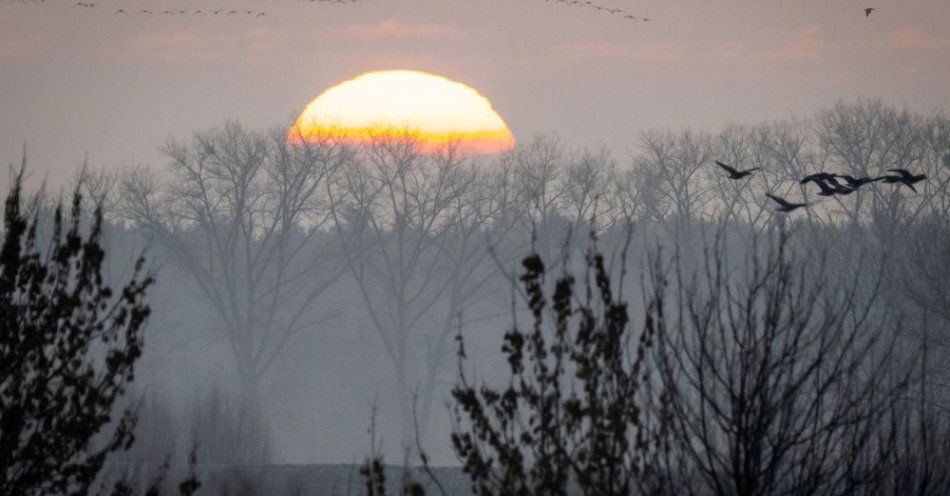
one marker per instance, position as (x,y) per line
(68,346)
(576,413)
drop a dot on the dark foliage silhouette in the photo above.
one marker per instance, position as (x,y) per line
(68,346)
(574,416)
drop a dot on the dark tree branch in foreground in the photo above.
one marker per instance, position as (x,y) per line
(68,345)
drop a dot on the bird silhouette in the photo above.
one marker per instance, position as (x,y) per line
(903,177)
(856,182)
(867,11)
(844,190)
(897,180)
(121,11)
(785,205)
(590,4)
(818,176)
(909,177)
(736,174)
(827,190)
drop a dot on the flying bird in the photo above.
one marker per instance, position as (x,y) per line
(856,182)
(904,177)
(908,177)
(817,177)
(784,205)
(827,190)
(867,11)
(121,11)
(845,190)
(896,179)
(736,174)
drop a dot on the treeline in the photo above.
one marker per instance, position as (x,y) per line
(281,244)
(267,229)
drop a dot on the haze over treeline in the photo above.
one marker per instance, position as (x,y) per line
(305,289)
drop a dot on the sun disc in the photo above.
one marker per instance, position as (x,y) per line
(431,110)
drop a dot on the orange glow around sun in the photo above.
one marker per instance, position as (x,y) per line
(432,110)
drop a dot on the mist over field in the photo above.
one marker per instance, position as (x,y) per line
(611,248)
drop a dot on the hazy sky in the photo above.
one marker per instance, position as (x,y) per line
(77,80)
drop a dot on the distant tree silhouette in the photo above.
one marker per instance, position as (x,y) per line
(680,162)
(68,345)
(241,212)
(415,231)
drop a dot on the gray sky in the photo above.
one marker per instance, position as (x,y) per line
(77,80)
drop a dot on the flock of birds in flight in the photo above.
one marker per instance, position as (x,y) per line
(590,4)
(258,13)
(829,185)
(623,14)
(195,12)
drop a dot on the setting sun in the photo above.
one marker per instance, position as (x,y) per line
(432,109)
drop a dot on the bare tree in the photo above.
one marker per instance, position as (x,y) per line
(925,267)
(867,138)
(416,230)
(587,187)
(789,153)
(242,212)
(676,163)
(781,376)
